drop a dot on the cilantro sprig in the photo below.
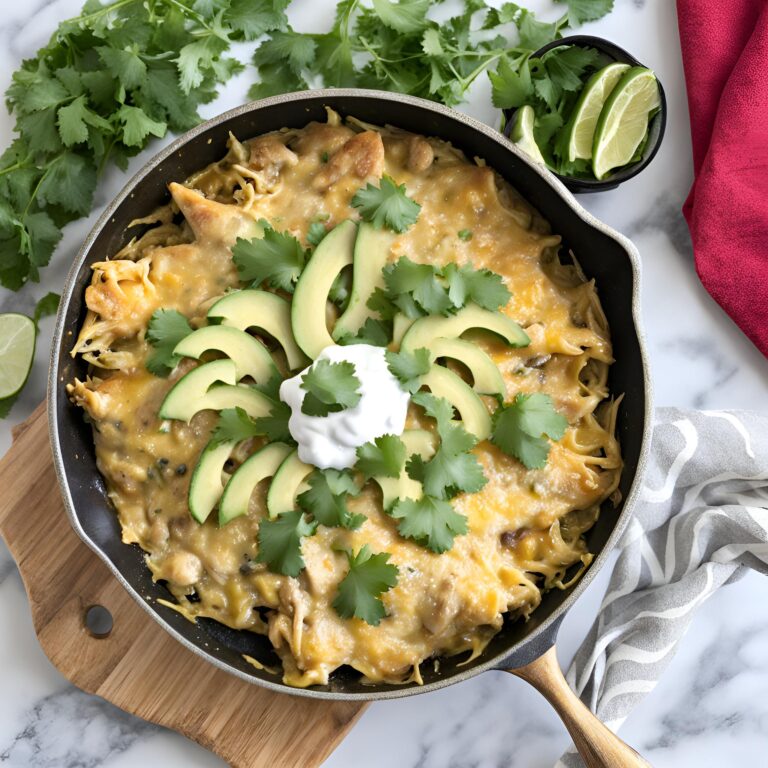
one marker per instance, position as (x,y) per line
(280,542)
(369,576)
(277,259)
(425,289)
(409,366)
(521,428)
(167,327)
(384,457)
(330,387)
(453,469)
(387,205)
(431,522)
(327,497)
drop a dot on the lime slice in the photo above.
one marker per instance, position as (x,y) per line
(581,131)
(17,349)
(522,134)
(623,122)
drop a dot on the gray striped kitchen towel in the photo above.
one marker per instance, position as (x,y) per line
(701,520)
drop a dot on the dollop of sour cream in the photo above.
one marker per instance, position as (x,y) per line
(331,442)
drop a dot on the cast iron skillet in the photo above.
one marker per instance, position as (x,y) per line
(604,255)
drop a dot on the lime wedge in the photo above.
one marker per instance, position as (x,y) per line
(17,349)
(623,122)
(522,134)
(581,130)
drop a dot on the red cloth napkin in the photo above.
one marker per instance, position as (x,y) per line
(725,56)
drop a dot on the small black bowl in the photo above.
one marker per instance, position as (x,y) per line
(655,128)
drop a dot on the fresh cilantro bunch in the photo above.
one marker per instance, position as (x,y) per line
(330,387)
(424,289)
(108,81)
(395,46)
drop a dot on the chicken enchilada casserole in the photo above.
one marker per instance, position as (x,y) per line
(347,392)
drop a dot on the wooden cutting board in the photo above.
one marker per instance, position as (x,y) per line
(137,665)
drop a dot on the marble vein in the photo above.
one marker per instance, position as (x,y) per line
(96,731)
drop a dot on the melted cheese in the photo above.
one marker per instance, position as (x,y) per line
(524,526)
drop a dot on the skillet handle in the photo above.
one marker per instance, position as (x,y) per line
(598,746)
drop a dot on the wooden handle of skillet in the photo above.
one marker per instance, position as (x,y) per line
(598,746)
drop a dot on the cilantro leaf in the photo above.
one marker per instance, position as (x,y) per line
(520,428)
(234,425)
(275,426)
(167,327)
(280,542)
(368,577)
(276,258)
(326,499)
(431,522)
(387,205)
(510,88)
(330,387)
(384,457)
(408,367)
(580,11)
(406,279)
(404,16)
(377,333)
(452,469)
(465,235)
(480,286)
(48,305)
(316,233)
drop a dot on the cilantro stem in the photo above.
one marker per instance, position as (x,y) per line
(14,167)
(86,17)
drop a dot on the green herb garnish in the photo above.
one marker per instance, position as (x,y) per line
(167,327)
(280,542)
(277,258)
(368,577)
(522,426)
(387,205)
(432,523)
(408,367)
(330,387)
(326,499)
(384,457)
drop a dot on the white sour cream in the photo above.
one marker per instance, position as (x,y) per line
(331,442)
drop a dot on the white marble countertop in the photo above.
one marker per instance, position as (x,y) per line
(708,709)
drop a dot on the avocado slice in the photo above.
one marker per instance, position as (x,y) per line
(206,484)
(400,325)
(425,330)
(195,391)
(371,254)
(250,356)
(447,384)
(250,308)
(417,441)
(287,483)
(485,374)
(237,494)
(310,298)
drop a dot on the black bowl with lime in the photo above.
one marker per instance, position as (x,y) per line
(588,110)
